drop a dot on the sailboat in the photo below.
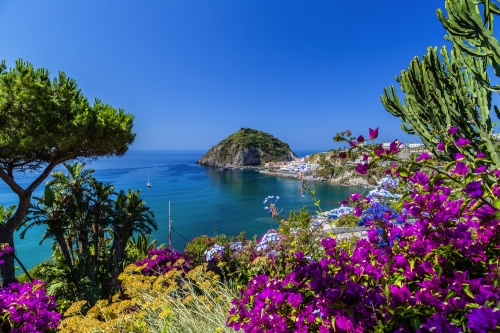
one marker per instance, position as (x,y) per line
(149,184)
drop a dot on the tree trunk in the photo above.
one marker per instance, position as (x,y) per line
(7,269)
(117,259)
(64,250)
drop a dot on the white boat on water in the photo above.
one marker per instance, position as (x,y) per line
(149,184)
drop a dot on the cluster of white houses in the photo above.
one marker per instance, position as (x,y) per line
(294,167)
(301,165)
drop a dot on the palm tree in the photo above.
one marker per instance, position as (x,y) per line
(74,190)
(131,216)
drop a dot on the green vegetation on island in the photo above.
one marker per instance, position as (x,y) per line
(247,147)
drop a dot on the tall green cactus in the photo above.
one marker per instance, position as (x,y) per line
(454,89)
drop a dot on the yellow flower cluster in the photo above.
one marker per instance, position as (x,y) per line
(152,303)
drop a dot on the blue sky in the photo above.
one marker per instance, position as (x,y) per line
(193,72)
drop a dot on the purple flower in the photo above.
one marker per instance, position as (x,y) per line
(459,157)
(480,169)
(424,156)
(439,323)
(461,169)
(440,146)
(342,154)
(362,168)
(357,211)
(373,133)
(473,189)
(462,142)
(352,144)
(452,130)
(483,320)
(394,146)
(379,151)
(355,196)
(496,190)
(480,154)
(360,139)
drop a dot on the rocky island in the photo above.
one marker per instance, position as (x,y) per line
(247,147)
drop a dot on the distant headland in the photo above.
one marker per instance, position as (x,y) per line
(247,147)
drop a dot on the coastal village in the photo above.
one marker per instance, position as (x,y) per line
(307,165)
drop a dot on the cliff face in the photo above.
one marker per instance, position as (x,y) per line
(247,147)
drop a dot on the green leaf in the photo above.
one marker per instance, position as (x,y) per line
(415,323)
(48,196)
(402,171)
(496,203)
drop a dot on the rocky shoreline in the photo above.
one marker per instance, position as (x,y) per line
(340,181)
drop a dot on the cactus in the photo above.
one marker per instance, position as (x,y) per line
(453,89)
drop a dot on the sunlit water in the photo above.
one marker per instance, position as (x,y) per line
(203,200)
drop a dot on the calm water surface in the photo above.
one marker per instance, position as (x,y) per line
(203,200)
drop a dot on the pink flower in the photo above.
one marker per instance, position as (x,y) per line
(352,144)
(452,130)
(394,146)
(480,169)
(474,189)
(362,168)
(424,156)
(462,142)
(459,157)
(373,133)
(440,146)
(480,154)
(496,190)
(461,169)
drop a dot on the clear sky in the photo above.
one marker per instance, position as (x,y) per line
(193,72)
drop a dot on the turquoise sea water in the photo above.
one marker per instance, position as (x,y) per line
(203,200)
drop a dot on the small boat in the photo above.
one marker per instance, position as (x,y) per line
(149,184)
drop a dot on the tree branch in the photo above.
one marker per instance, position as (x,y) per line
(11,183)
(44,175)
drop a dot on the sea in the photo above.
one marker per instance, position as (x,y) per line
(203,201)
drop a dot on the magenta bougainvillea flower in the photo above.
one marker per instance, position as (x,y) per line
(462,142)
(480,169)
(473,189)
(342,154)
(440,146)
(395,146)
(360,139)
(373,133)
(362,168)
(461,169)
(424,156)
(452,130)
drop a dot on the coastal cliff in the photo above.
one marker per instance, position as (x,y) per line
(247,147)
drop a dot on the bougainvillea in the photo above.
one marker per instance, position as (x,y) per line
(25,308)
(160,261)
(432,266)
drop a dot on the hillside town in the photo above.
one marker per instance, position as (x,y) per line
(307,165)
